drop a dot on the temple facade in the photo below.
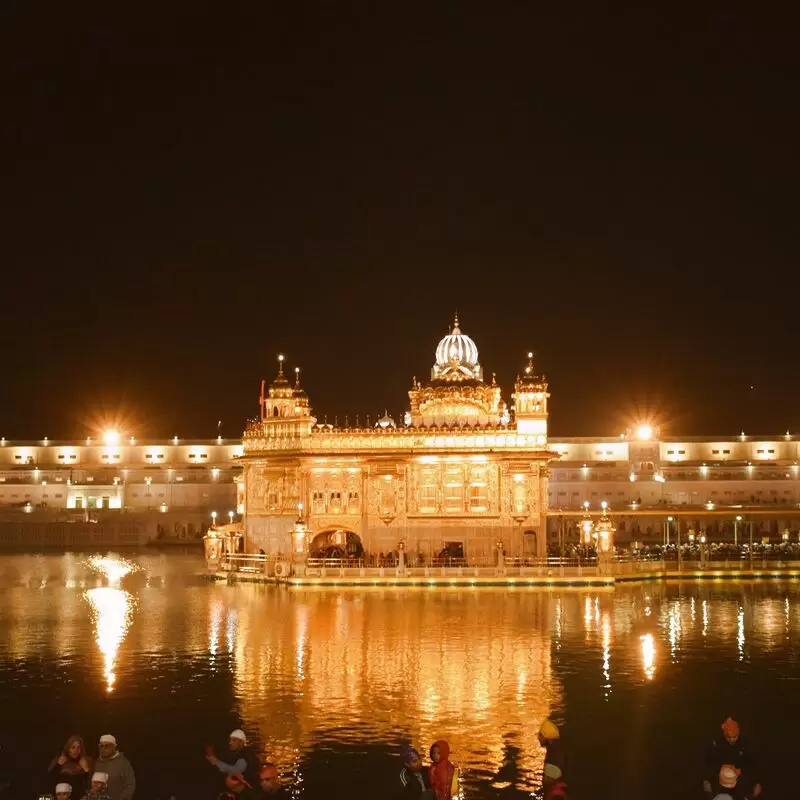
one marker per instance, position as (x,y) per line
(464,471)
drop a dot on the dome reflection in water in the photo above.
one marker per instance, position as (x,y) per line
(330,683)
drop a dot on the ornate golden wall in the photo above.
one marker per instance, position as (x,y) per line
(425,501)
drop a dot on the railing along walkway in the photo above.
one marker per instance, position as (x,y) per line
(257,564)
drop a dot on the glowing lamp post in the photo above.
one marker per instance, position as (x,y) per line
(213,519)
(587,526)
(605,540)
(501,559)
(230,517)
(736,531)
(299,542)
(401,557)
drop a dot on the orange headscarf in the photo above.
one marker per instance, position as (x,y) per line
(441,773)
(730,728)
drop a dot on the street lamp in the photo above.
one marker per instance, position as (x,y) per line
(669,520)
(736,531)
(213,519)
(230,517)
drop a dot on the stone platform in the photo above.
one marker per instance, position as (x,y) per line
(521,577)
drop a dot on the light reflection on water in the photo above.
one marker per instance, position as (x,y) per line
(112,615)
(330,683)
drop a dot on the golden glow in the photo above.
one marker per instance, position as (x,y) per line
(648,655)
(606,631)
(644,433)
(111,614)
(111,437)
(740,633)
(114,569)
(338,651)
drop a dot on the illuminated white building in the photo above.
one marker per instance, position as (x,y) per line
(464,466)
(136,490)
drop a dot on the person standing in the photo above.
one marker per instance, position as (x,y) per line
(442,771)
(238,758)
(413,783)
(553,784)
(121,779)
(72,766)
(729,751)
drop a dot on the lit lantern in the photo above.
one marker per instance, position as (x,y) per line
(299,537)
(605,532)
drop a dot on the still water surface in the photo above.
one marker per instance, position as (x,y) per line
(329,684)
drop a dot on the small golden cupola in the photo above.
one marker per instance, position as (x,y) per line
(285,411)
(530,403)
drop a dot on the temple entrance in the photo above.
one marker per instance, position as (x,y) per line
(530,543)
(336,543)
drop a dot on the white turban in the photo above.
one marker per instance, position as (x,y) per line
(100,777)
(107,738)
(62,788)
(239,734)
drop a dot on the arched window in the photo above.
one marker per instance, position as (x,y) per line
(275,412)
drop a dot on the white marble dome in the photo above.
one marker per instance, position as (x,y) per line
(457,356)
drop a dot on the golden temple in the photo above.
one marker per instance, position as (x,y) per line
(464,471)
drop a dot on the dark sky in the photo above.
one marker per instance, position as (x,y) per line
(187,194)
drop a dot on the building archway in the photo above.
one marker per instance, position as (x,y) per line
(336,542)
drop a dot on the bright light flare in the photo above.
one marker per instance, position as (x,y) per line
(111,437)
(114,569)
(648,655)
(644,432)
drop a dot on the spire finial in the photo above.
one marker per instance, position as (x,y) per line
(529,368)
(494,379)
(297,377)
(456,329)
(280,364)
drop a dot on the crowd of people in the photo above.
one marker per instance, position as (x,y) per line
(729,771)
(440,779)
(79,777)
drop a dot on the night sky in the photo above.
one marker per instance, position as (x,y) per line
(187,194)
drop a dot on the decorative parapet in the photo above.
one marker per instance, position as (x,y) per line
(326,439)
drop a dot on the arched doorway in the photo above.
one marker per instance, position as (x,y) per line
(336,543)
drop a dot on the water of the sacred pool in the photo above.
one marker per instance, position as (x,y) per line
(330,684)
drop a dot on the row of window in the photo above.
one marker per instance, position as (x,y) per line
(109,457)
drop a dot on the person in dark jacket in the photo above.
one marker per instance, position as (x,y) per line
(413,779)
(71,766)
(238,758)
(728,750)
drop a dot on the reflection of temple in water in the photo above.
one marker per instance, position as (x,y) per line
(385,666)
